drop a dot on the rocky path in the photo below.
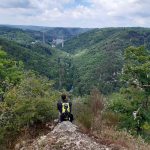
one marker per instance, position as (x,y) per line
(65,136)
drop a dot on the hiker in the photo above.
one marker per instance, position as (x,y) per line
(65,107)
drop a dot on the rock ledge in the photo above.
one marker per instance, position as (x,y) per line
(65,136)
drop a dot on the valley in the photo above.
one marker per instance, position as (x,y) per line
(104,71)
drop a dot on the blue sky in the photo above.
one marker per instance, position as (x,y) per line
(76,13)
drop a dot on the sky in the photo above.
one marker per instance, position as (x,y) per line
(76,13)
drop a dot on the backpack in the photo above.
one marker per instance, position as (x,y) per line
(65,108)
(66,114)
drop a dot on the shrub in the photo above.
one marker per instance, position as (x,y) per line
(88,110)
(27,103)
(123,105)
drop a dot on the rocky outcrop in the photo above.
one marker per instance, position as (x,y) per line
(65,136)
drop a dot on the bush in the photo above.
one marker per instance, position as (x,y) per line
(29,102)
(123,105)
(89,110)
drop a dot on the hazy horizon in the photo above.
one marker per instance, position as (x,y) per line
(30,25)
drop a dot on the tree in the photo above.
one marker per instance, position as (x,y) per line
(133,98)
(29,103)
(136,70)
(10,73)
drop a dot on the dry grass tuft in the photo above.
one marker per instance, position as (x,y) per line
(113,138)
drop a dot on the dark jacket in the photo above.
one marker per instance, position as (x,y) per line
(59,105)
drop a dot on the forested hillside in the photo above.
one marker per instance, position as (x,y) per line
(98,56)
(134,36)
(15,34)
(30,74)
(43,59)
(25,43)
(108,69)
(28,34)
(56,33)
(85,58)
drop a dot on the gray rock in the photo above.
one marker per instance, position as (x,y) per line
(65,126)
(17,146)
(65,136)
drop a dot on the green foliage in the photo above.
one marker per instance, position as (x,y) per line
(123,109)
(98,56)
(41,58)
(10,73)
(15,34)
(135,96)
(27,99)
(96,60)
(28,34)
(137,68)
(30,102)
(123,105)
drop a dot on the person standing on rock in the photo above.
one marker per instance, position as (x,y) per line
(64,107)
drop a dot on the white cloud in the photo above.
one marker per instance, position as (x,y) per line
(98,13)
